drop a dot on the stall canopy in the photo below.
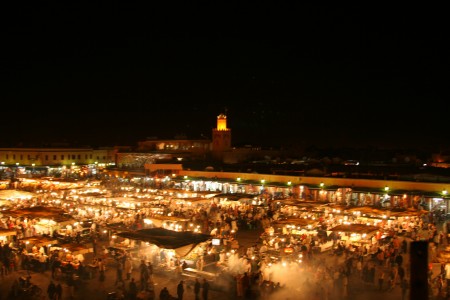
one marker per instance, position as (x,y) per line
(236,196)
(5,204)
(356,228)
(374,212)
(56,214)
(39,240)
(159,220)
(15,194)
(297,222)
(7,232)
(118,227)
(302,203)
(76,249)
(180,241)
(409,213)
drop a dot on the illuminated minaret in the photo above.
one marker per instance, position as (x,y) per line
(221,137)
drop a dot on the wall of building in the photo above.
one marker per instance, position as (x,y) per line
(341,182)
(52,156)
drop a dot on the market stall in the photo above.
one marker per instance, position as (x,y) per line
(179,241)
(7,235)
(169,222)
(72,254)
(46,219)
(38,241)
(5,204)
(16,195)
(296,225)
(356,234)
(36,251)
(165,246)
(4,184)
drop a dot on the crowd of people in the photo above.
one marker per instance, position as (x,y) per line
(263,270)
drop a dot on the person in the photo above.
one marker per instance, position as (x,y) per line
(404,286)
(101,278)
(71,282)
(51,290)
(132,289)
(180,290)
(164,294)
(197,286)
(15,289)
(184,265)
(119,272)
(404,246)
(205,290)
(381,281)
(200,263)
(128,266)
(150,270)
(344,287)
(58,291)
(143,269)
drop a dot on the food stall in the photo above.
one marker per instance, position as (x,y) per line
(72,254)
(163,246)
(356,234)
(38,241)
(16,195)
(35,247)
(4,184)
(296,226)
(5,204)
(169,222)
(7,235)
(47,219)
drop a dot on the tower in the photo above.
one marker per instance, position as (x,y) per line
(221,137)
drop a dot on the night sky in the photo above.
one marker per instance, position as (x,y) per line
(284,75)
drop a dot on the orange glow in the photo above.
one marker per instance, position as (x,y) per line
(222,122)
(288,250)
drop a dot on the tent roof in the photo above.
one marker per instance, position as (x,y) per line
(119,226)
(56,214)
(302,203)
(15,194)
(76,248)
(296,222)
(169,218)
(39,240)
(165,238)
(7,232)
(235,196)
(356,228)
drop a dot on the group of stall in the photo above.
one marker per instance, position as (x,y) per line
(171,227)
(38,232)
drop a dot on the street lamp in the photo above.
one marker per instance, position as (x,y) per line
(444,194)
(386,195)
(239,188)
(321,192)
